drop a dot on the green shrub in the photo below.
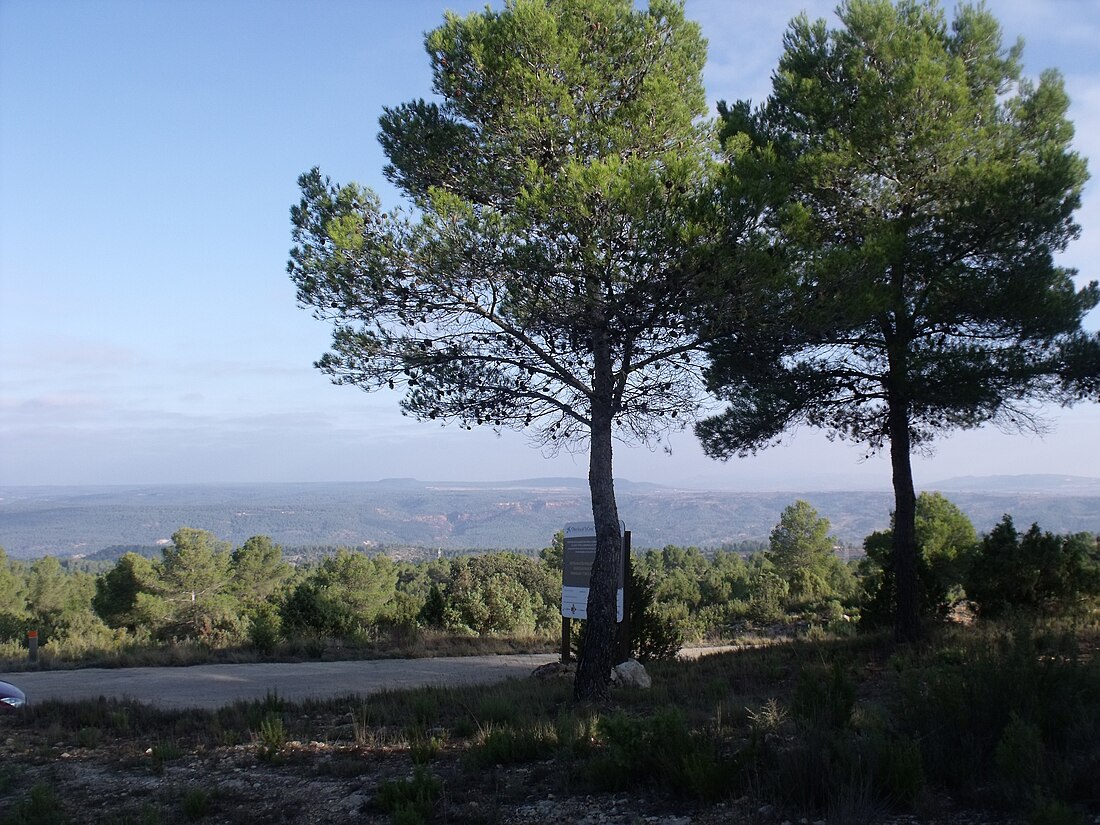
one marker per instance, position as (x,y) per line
(14,628)
(409,800)
(576,735)
(252,713)
(196,803)
(163,752)
(769,597)
(424,747)
(1019,754)
(805,771)
(271,737)
(655,633)
(8,776)
(89,737)
(499,593)
(264,627)
(824,696)
(1056,813)
(1002,718)
(1033,572)
(658,749)
(945,540)
(898,771)
(508,745)
(39,807)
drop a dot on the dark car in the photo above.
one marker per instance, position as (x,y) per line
(11,697)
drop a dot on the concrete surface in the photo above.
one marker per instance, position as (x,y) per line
(211,686)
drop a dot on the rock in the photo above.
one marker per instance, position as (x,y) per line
(631,673)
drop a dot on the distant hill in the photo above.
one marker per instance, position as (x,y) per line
(1040,484)
(64,521)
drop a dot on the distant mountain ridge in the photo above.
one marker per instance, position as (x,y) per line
(522,513)
(1026,483)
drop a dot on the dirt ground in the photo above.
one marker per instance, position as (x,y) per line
(306,783)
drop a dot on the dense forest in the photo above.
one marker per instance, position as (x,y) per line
(202,594)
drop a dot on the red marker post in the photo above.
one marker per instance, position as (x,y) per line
(32,645)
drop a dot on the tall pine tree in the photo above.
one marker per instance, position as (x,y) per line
(921,189)
(563,189)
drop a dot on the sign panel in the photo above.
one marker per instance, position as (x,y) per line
(579,552)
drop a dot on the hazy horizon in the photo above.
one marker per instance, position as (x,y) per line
(83,520)
(1039,482)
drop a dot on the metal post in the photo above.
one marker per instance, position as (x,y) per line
(32,645)
(566,633)
(624,638)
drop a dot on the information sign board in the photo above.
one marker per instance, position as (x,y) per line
(579,552)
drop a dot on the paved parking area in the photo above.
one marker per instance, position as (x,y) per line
(211,686)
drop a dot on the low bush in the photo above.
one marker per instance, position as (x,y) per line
(409,801)
(658,749)
(1003,718)
(508,744)
(40,806)
(270,738)
(196,803)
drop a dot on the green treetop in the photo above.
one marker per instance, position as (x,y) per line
(801,550)
(945,539)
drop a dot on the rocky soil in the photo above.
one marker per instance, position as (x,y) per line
(304,783)
(308,782)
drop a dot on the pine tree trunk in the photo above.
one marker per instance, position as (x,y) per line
(907,613)
(597,655)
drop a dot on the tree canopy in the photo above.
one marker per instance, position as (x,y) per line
(801,550)
(562,187)
(945,540)
(920,188)
(1034,572)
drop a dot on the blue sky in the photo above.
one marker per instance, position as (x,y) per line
(148,331)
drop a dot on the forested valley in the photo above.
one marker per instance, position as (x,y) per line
(201,599)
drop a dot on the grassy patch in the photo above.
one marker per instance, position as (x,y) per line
(393,645)
(514,744)
(409,801)
(845,729)
(40,806)
(196,803)
(271,737)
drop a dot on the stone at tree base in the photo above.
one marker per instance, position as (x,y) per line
(631,673)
